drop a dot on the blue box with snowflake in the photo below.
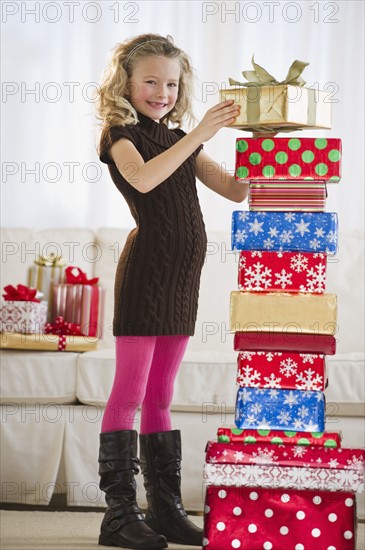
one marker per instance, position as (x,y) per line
(285,231)
(273,409)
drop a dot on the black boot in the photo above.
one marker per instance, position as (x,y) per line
(160,459)
(123,524)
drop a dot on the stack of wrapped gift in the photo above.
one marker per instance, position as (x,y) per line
(74,309)
(279,480)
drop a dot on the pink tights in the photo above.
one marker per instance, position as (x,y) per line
(146,367)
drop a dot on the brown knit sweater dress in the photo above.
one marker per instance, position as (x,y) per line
(158,273)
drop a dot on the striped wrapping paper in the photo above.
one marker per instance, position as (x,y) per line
(295,197)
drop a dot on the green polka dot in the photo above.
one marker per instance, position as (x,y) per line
(236,431)
(242,172)
(241,145)
(334,178)
(276,441)
(224,439)
(295,170)
(321,169)
(263,432)
(303,441)
(294,144)
(307,156)
(268,144)
(290,434)
(320,143)
(255,158)
(268,171)
(317,435)
(249,439)
(334,155)
(281,157)
(330,443)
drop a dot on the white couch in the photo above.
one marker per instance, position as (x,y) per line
(52,402)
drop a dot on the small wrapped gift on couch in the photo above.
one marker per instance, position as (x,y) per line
(285,231)
(80,300)
(284,341)
(47,272)
(272,106)
(283,312)
(21,311)
(288,159)
(278,519)
(281,370)
(280,409)
(265,271)
(279,437)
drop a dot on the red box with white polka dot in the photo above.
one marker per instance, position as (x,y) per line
(276,519)
(289,159)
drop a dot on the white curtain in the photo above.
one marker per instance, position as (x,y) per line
(53,53)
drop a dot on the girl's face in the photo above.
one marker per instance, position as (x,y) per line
(154,85)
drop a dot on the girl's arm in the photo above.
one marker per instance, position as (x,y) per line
(145,176)
(218,180)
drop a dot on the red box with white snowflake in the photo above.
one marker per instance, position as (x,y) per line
(266,271)
(279,437)
(287,370)
(280,341)
(277,519)
(286,455)
(285,159)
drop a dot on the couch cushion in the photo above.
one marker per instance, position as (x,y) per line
(206,382)
(38,377)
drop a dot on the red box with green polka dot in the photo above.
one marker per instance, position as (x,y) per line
(278,519)
(289,159)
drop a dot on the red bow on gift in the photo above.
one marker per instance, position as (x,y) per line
(20,294)
(62,327)
(78,278)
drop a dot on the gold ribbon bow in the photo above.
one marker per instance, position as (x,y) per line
(260,77)
(50,261)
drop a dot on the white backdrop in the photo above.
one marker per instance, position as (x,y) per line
(53,53)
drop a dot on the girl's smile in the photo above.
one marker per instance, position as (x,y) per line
(154,86)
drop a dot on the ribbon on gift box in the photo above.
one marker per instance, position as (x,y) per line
(62,328)
(52,260)
(21,293)
(75,276)
(260,77)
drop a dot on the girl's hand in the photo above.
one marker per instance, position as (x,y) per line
(217,117)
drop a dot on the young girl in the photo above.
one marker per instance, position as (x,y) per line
(144,91)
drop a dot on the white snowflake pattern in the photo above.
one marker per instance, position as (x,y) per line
(316,279)
(284,417)
(332,237)
(256,408)
(289,216)
(303,412)
(249,377)
(264,424)
(256,227)
(298,424)
(240,236)
(302,227)
(247,355)
(246,396)
(333,463)
(291,399)
(257,253)
(243,216)
(274,394)
(355,463)
(283,279)
(238,456)
(299,451)
(309,380)
(299,262)
(273,232)
(287,236)
(242,263)
(319,255)
(315,244)
(308,357)
(270,355)
(251,419)
(268,243)
(258,277)
(319,232)
(264,456)
(288,367)
(272,381)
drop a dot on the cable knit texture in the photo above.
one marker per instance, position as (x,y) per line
(158,274)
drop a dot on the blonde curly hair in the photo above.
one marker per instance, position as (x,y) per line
(112,107)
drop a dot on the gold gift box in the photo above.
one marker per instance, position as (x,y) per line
(279,107)
(283,312)
(46,342)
